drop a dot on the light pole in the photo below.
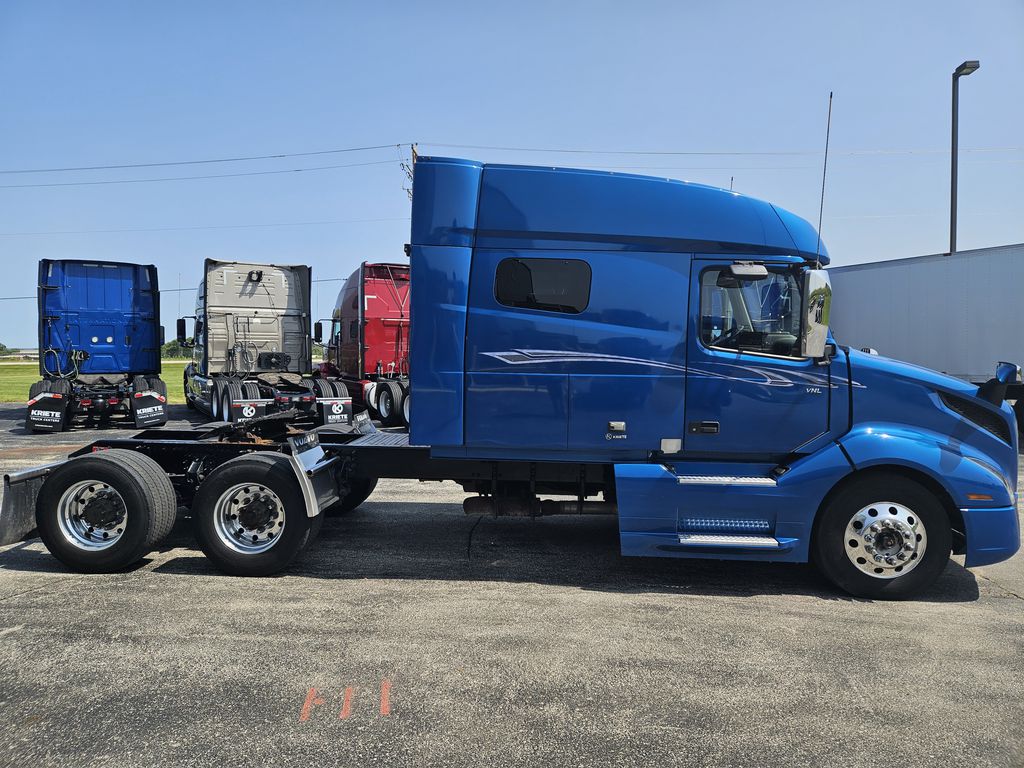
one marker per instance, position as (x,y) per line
(962,71)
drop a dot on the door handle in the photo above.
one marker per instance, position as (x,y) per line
(703,428)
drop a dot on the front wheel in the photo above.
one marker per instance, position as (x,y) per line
(249,515)
(883,537)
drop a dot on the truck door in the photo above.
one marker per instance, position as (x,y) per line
(749,394)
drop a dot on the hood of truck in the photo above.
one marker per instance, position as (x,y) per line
(888,392)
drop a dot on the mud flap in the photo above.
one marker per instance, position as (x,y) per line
(47,412)
(149,409)
(18,515)
(333,410)
(313,469)
(247,410)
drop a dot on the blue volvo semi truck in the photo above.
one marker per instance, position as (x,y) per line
(99,345)
(594,343)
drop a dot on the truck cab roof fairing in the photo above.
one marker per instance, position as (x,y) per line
(460,202)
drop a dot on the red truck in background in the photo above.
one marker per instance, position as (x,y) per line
(368,346)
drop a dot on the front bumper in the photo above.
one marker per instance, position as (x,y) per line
(993,535)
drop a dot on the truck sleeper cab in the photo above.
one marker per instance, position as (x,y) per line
(252,349)
(648,348)
(99,345)
(368,348)
(662,329)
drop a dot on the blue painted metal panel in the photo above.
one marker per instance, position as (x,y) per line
(445,203)
(555,207)
(654,508)
(993,535)
(517,409)
(108,310)
(621,359)
(440,275)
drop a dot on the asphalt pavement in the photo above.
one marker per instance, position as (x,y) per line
(411,634)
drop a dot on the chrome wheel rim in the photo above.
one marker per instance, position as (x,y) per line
(405,408)
(384,403)
(225,407)
(885,540)
(249,518)
(92,515)
(215,404)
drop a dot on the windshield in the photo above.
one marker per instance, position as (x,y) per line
(751,315)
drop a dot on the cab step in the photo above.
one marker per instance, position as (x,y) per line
(733,541)
(743,480)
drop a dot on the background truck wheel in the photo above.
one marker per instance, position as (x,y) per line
(389,399)
(405,406)
(232,393)
(189,402)
(102,512)
(340,390)
(882,537)
(359,492)
(215,401)
(249,515)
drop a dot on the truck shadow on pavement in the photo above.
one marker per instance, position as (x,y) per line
(436,541)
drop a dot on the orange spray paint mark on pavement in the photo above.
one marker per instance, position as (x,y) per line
(385,697)
(346,705)
(312,700)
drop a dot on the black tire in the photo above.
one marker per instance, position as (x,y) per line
(216,400)
(403,408)
(340,390)
(359,491)
(189,402)
(321,387)
(63,386)
(274,473)
(830,542)
(148,498)
(251,390)
(389,398)
(158,385)
(232,393)
(38,388)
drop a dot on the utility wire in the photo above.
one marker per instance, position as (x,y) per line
(191,178)
(201,227)
(197,162)
(703,153)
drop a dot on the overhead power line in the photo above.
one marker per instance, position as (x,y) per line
(201,227)
(192,178)
(770,153)
(205,161)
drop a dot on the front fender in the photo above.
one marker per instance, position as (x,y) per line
(971,478)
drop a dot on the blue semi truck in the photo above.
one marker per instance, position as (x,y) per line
(99,345)
(596,343)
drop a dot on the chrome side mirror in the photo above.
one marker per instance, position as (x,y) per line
(817,308)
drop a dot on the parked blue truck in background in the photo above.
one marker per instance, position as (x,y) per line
(632,346)
(99,345)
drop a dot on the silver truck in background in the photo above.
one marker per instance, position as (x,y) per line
(964,301)
(252,348)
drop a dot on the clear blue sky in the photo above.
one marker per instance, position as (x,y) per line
(127,82)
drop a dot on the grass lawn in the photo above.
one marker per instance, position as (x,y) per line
(16,378)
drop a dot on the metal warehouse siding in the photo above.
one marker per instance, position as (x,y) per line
(954,314)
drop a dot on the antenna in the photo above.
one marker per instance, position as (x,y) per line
(824,170)
(731,178)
